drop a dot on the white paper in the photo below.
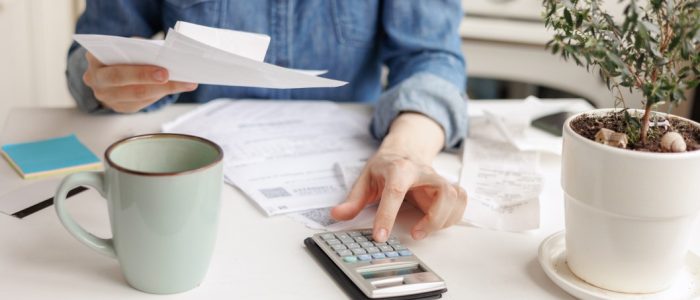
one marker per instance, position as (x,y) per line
(503,183)
(282,154)
(513,123)
(214,56)
(28,196)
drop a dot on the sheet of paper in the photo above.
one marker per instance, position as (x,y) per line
(213,56)
(503,183)
(282,154)
(28,196)
(513,123)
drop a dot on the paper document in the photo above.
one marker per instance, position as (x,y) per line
(512,122)
(195,53)
(503,183)
(283,154)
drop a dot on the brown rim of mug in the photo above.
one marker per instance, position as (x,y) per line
(163,135)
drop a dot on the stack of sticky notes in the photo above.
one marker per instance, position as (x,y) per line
(50,157)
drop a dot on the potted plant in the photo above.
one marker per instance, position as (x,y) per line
(630,176)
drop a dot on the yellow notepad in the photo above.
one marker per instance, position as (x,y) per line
(50,157)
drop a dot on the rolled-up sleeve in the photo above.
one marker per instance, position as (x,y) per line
(126,18)
(421,48)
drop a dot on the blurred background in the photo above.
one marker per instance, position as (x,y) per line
(502,39)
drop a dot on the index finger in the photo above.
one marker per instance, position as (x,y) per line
(124,75)
(395,189)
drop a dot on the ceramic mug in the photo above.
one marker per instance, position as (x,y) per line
(163,193)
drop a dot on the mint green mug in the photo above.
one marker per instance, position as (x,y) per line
(163,193)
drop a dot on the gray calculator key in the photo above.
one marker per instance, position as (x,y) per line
(354,233)
(353,245)
(366,244)
(399,247)
(333,242)
(372,250)
(344,252)
(367,232)
(364,257)
(379,244)
(386,248)
(341,235)
(338,247)
(327,236)
(358,251)
(393,242)
(346,239)
(360,239)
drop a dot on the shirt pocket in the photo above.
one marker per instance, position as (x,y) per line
(356,21)
(203,12)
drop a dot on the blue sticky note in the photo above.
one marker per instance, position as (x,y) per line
(49,157)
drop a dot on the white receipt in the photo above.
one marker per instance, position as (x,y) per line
(503,183)
(282,154)
(194,53)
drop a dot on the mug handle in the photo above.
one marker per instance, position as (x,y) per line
(92,179)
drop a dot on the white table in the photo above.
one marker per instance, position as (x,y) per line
(256,256)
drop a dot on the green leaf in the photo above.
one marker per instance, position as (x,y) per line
(567,17)
(579,19)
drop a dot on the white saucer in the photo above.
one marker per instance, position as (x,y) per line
(552,257)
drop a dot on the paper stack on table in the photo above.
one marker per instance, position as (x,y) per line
(200,54)
(283,154)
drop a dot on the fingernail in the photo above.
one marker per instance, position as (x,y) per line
(380,234)
(159,75)
(419,234)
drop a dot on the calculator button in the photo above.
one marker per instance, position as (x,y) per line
(353,245)
(338,247)
(380,244)
(327,236)
(399,247)
(378,255)
(364,257)
(393,242)
(346,239)
(359,251)
(391,254)
(405,253)
(333,242)
(354,233)
(350,259)
(386,248)
(361,239)
(372,250)
(344,252)
(341,235)
(366,244)
(367,232)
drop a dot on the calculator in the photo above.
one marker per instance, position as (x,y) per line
(370,270)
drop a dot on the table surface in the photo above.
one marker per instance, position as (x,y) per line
(255,256)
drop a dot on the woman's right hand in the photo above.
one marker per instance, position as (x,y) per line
(130,88)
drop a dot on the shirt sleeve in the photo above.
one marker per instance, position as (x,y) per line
(421,48)
(126,18)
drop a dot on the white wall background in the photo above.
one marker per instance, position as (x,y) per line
(34,38)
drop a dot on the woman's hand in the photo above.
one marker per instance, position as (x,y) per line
(130,88)
(401,169)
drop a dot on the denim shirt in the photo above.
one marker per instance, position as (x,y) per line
(417,40)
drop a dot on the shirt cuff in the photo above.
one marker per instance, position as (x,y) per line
(429,95)
(84,98)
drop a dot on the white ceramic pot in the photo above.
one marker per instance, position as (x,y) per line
(629,215)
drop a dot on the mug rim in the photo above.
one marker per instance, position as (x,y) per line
(112,164)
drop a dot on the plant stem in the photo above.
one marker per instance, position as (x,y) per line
(645,123)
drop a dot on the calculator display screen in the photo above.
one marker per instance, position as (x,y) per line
(392,272)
